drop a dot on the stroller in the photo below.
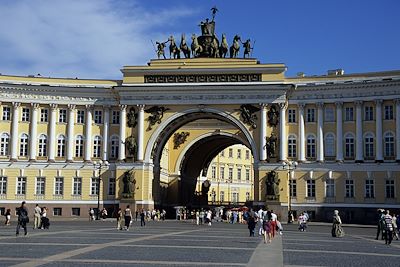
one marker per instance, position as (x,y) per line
(45,223)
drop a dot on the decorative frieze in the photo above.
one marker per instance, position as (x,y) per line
(202,78)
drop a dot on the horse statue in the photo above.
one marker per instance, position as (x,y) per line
(223,49)
(173,48)
(196,48)
(234,49)
(215,47)
(184,47)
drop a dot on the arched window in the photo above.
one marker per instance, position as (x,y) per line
(292,146)
(349,146)
(114,147)
(4,144)
(97,146)
(389,144)
(61,146)
(310,146)
(329,145)
(369,145)
(42,146)
(23,145)
(79,146)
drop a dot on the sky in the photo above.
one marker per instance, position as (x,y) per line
(96,38)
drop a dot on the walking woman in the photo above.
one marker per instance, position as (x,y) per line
(23,218)
(8,217)
(337,230)
(119,219)
(128,217)
(267,227)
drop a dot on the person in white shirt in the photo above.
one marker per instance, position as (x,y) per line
(274,218)
(260,216)
(36,218)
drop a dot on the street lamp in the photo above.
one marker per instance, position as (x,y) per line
(290,166)
(99,165)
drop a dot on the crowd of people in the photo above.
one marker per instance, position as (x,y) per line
(387,226)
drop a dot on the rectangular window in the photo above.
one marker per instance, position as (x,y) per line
(368,113)
(239,174)
(247,196)
(247,154)
(293,187)
(25,114)
(223,153)
(57,211)
(291,115)
(40,185)
(59,186)
(98,116)
(94,186)
(247,175)
(349,188)
(389,189)
(111,186)
(76,212)
(62,116)
(222,196)
(239,153)
(230,153)
(213,172)
(21,185)
(115,117)
(6,113)
(77,186)
(44,115)
(369,189)
(80,116)
(235,197)
(389,112)
(230,174)
(222,173)
(310,115)
(349,114)
(311,188)
(330,188)
(329,114)
(3,185)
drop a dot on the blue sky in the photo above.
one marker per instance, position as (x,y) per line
(95,38)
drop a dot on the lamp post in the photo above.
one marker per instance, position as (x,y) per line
(99,165)
(290,166)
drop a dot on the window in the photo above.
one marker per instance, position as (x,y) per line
(6,113)
(388,112)
(310,146)
(389,144)
(76,212)
(239,174)
(291,115)
(310,115)
(44,115)
(247,175)
(42,146)
(349,145)
(4,144)
(40,184)
(23,145)
(349,114)
(389,189)
(330,188)
(329,114)
(62,116)
(3,185)
(230,174)
(292,146)
(310,188)
(230,152)
(25,114)
(80,116)
(369,189)
(21,185)
(77,186)
(222,173)
(222,153)
(97,147)
(222,196)
(329,145)
(57,211)
(235,197)
(79,146)
(115,117)
(111,186)
(239,153)
(213,172)
(59,186)
(94,186)
(98,116)
(349,188)
(247,196)
(293,187)
(61,146)
(114,147)
(368,113)
(247,154)
(369,145)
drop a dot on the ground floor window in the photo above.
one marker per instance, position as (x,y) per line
(57,212)
(76,212)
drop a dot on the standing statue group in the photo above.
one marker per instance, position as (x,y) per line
(206,45)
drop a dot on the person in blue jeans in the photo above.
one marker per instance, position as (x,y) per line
(142,218)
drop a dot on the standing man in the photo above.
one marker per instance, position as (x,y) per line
(23,219)
(260,216)
(142,218)
(136,215)
(36,218)
(388,228)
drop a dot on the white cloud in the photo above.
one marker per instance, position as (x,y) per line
(72,38)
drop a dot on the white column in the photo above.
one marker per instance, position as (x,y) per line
(88,133)
(52,132)
(339,131)
(320,132)
(359,133)
(70,132)
(14,131)
(302,135)
(397,130)
(378,131)
(282,132)
(105,131)
(263,132)
(122,133)
(33,132)
(140,133)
